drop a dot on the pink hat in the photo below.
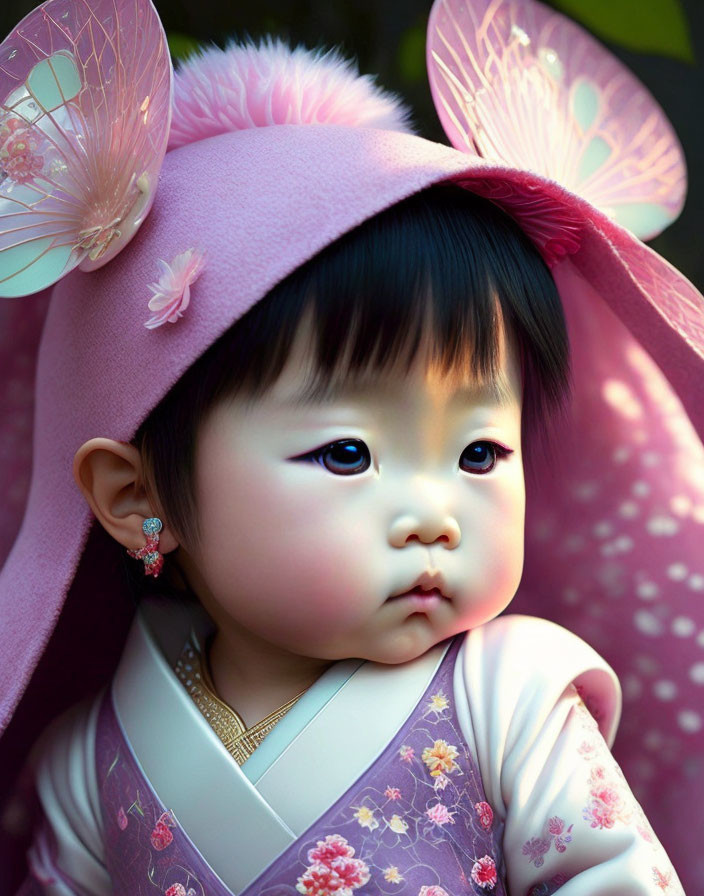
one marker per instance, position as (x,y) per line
(258,178)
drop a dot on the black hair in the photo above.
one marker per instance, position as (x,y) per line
(443,259)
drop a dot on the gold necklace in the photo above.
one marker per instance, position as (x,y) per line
(239,741)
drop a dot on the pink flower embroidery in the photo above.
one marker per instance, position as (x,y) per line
(484,873)
(332,847)
(662,879)
(439,814)
(406,753)
(121,819)
(535,849)
(556,827)
(607,805)
(586,749)
(433,890)
(161,836)
(485,813)
(392,793)
(333,871)
(175,890)
(18,150)
(645,833)
(172,291)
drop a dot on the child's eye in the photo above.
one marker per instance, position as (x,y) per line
(344,458)
(481,457)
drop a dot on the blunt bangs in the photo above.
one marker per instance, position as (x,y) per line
(444,266)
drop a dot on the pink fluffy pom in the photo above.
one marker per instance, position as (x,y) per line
(256,86)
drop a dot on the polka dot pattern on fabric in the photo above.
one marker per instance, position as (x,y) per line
(626,569)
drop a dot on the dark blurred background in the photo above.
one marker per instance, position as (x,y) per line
(662,41)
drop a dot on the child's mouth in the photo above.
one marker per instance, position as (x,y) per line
(422,598)
(427,590)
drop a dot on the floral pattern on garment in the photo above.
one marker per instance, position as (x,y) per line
(554,834)
(608,804)
(332,869)
(415,823)
(144,843)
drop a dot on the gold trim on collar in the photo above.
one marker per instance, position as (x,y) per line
(239,741)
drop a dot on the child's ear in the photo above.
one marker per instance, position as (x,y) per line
(111,476)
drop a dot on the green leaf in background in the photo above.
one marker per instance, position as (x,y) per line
(646,26)
(411,55)
(181,46)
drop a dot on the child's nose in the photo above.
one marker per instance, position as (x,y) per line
(427,528)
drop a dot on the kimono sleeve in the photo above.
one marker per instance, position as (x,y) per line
(541,711)
(66,855)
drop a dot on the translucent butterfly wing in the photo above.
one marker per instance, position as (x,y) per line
(85,102)
(518,83)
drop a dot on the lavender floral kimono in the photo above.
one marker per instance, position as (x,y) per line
(476,769)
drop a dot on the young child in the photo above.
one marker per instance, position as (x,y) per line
(315,448)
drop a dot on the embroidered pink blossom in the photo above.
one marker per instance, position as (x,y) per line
(606,808)
(484,873)
(440,815)
(597,775)
(586,749)
(535,849)
(175,890)
(406,753)
(556,825)
(485,813)
(353,873)
(341,877)
(645,833)
(561,842)
(18,150)
(663,879)
(332,847)
(392,793)
(121,819)
(161,836)
(172,291)
(433,890)
(332,869)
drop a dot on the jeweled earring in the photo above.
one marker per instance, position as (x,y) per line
(151,557)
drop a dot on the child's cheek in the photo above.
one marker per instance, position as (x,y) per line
(286,549)
(493,543)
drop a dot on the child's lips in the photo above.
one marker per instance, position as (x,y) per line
(421,599)
(429,587)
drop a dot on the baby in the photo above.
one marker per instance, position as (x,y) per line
(315,448)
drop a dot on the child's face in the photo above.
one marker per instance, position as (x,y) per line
(312,549)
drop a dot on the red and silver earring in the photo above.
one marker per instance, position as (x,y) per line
(151,557)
